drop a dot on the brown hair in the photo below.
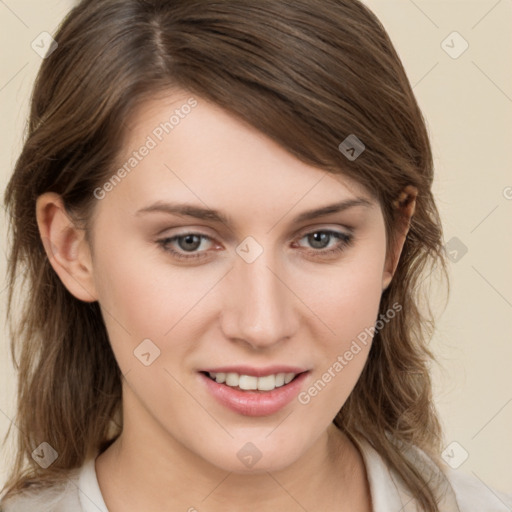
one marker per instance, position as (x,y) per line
(306,74)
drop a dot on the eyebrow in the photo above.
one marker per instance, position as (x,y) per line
(198,212)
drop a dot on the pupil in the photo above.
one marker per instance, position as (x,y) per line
(189,239)
(317,239)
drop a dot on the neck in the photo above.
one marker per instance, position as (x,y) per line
(146,469)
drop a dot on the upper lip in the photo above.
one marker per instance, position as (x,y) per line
(256,372)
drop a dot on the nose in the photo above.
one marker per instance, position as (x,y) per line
(259,307)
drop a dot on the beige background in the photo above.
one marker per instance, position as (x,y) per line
(467,102)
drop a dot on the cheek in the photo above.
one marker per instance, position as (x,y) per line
(143,296)
(347,304)
(136,300)
(346,297)
(341,357)
(350,300)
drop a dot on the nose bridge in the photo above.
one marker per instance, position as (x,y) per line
(260,310)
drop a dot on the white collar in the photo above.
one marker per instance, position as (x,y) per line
(387,490)
(89,491)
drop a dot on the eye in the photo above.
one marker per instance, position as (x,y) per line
(186,246)
(320,239)
(188,242)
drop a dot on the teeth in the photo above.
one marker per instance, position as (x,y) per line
(219,377)
(267,383)
(250,382)
(280,379)
(288,377)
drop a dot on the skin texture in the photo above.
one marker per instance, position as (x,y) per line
(179,446)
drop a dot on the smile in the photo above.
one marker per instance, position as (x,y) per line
(252,395)
(251,382)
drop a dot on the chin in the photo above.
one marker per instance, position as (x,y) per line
(254,455)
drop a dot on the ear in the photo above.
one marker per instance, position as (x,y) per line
(66,247)
(405,204)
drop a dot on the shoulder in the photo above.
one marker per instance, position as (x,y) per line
(455,490)
(461,491)
(62,497)
(473,495)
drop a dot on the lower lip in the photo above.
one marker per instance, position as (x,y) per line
(254,403)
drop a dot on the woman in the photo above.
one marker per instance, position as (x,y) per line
(281,360)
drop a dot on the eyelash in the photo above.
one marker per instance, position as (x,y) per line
(346,241)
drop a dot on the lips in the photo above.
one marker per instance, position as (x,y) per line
(251,392)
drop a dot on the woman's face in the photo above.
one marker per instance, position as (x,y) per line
(270,289)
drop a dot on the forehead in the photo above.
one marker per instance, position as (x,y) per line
(180,146)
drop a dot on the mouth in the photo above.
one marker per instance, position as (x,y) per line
(244,382)
(254,395)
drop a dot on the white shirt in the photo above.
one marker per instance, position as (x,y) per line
(462,493)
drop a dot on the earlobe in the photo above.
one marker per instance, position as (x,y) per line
(66,247)
(406,205)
